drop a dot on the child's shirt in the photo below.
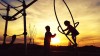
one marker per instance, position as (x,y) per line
(47,37)
(72,30)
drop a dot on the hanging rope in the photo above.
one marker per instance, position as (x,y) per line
(60,24)
(16,35)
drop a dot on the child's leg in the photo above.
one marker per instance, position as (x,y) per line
(74,38)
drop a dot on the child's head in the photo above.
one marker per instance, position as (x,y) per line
(67,23)
(47,28)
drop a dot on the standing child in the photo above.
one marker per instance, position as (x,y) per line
(71,30)
(47,40)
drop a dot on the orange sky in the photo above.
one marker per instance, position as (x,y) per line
(41,14)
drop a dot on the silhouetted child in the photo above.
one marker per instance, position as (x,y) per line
(47,40)
(71,30)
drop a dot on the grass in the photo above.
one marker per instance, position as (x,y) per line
(37,50)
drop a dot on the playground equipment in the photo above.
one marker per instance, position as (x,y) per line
(60,27)
(8,18)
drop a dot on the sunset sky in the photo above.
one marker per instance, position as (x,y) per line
(41,14)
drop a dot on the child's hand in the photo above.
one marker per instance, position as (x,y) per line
(54,34)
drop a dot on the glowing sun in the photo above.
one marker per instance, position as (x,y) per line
(55,40)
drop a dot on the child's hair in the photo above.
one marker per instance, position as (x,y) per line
(67,22)
(47,27)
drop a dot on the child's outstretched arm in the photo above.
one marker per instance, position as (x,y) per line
(65,29)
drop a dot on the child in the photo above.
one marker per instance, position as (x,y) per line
(71,30)
(47,40)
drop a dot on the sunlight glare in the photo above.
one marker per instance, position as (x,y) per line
(55,41)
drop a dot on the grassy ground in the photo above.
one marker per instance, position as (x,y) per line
(35,50)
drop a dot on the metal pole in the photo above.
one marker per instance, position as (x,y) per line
(6,24)
(25,33)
